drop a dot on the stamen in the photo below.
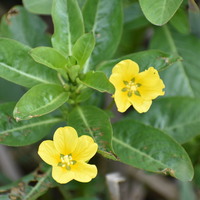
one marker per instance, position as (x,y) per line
(133,80)
(131,87)
(124,89)
(137,93)
(129,93)
(125,82)
(66,161)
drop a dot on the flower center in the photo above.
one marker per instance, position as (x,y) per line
(66,161)
(131,87)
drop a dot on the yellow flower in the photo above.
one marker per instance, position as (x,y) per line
(134,88)
(67,154)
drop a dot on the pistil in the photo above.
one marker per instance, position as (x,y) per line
(66,161)
(131,87)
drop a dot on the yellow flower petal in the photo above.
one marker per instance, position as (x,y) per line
(65,140)
(121,100)
(48,152)
(117,81)
(152,85)
(62,175)
(132,87)
(139,104)
(84,172)
(126,68)
(123,71)
(85,149)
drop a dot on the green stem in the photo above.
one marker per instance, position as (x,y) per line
(170,40)
(61,79)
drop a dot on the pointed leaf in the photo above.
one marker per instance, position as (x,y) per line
(68,25)
(150,149)
(22,133)
(177,116)
(20,25)
(145,59)
(90,120)
(38,6)
(184,75)
(98,81)
(16,65)
(83,48)
(40,100)
(104,18)
(49,57)
(159,12)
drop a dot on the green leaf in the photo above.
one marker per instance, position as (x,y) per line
(182,79)
(159,12)
(98,81)
(20,25)
(17,66)
(104,18)
(33,186)
(38,6)
(177,116)
(9,91)
(68,25)
(90,120)
(23,133)
(180,22)
(194,17)
(83,48)
(150,149)
(40,100)
(81,3)
(145,59)
(134,20)
(49,57)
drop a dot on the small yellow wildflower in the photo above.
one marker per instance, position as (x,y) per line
(67,154)
(134,88)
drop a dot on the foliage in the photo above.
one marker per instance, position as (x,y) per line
(65,77)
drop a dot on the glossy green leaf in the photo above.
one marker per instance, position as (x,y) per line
(33,186)
(49,57)
(38,6)
(68,25)
(194,17)
(104,18)
(90,120)
(83,48)
(16,65)
(145,59)
(159,12)
(20,25)
(177,116)
(150,149)
(40,100)
(98,81)
(183,78)
(22,133)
